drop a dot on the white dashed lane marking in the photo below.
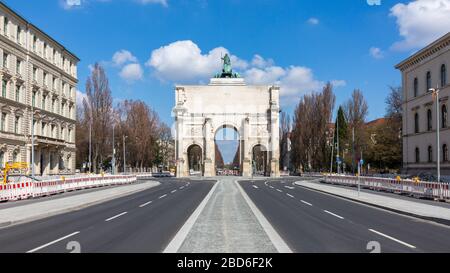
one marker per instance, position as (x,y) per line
(162,196)
(145,204)
(254,186)
(290,195)
(306,203)
(117,216)
(392,238)
(335,215)
(52,242)
(173,191)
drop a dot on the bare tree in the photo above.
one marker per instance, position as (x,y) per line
(356,111)
(98,110)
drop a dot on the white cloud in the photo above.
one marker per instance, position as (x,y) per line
(338,83)
(260,62)
(313,21)
(80,97)
(421,22)
(131,72)
(70,4)
(162,2)
(376,53)
(184,61)
(123,56)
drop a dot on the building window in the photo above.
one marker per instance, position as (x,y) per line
(5,60)
(43,129)
(2,159)
(34,73)
(416,87)
(429,120)
(428,81)
(15,157)
(18,93)
(416,123)
(53,131)
(44,98)
(18,66)
(417,155)
(3,122)
(430,154)
(444,116)
(18,34)
(5,26)
(445,153)
(34,43)
(45,50)
(33,99)
(16,125)
(4,88)
(69,137)
(443,75)
(53,105)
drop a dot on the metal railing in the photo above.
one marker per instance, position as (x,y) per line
(413,187)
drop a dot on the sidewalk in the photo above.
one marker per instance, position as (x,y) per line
(227,225)
(408,207)
(39,210)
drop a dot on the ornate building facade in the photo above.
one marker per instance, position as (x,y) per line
(38,79)
(426,69)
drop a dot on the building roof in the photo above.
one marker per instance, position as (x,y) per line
(427,51)
(3,5)
(376,122)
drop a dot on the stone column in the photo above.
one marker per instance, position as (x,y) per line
(209,170)
(247,160)
(274,136)
(180,160)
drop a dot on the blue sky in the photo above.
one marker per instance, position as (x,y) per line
(146,44)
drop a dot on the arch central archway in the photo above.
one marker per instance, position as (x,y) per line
(195,160)
(227,150)
(260,160)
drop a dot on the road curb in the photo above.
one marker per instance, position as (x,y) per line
(273,235)
(427,218)
(72,209)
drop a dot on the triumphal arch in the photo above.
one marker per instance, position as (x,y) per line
(227,102)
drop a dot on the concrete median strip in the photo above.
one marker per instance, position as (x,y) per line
(47,208)
(227,222)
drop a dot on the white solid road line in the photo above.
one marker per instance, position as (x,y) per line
(290,195)
(162,196)
(254,186)
(145,204)
(304,202)
(335,215)
(174,191)
(392,238)
(179,238)
(274,237)
(52,242)
(114,217)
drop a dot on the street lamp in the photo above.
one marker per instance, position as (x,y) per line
(124,162)
(435,92)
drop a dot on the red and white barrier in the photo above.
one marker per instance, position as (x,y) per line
(27,189)
(403,186)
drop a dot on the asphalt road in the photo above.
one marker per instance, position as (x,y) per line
(310,221)
(142,222)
